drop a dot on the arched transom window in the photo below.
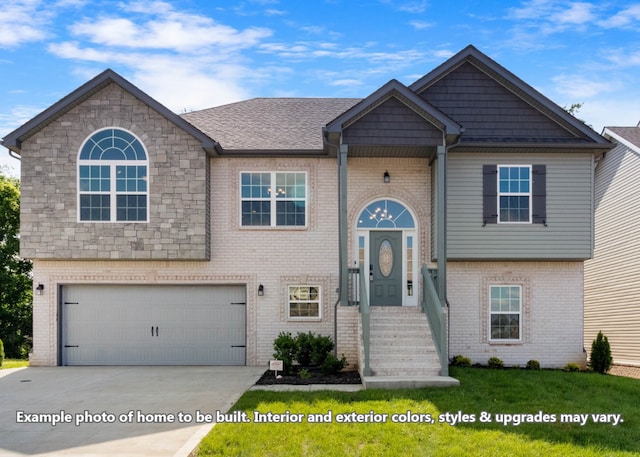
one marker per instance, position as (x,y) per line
(385,214)
(112,178)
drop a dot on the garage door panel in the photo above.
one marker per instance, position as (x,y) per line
(153,325)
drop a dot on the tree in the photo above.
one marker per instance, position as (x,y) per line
(601,359)
(15,275)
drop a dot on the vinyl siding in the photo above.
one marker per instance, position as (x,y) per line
(392,123)
(488,109)
(612,290)
(568,235)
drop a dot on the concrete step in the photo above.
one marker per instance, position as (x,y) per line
(408,382)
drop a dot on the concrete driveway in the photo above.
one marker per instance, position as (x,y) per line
(113,411)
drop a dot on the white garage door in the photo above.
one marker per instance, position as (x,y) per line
(153,325)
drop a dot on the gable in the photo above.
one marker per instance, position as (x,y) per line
(392,123)
(490,111)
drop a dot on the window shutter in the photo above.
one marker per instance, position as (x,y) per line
(539,194)
(489,194)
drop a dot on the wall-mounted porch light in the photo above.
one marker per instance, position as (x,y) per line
(387,177)
(40,288)
(260,290)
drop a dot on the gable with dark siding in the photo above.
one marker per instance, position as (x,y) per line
(488,110)
(392,123)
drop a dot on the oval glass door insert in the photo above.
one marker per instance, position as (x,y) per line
(385,258)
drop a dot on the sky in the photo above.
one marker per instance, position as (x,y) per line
(194,54)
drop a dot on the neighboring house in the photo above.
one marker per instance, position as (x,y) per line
(612,290)
(196,239)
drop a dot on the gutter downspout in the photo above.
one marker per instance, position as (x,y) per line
(14,155)
(341,285)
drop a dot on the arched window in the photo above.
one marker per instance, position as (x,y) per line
(112,178)
(385,214)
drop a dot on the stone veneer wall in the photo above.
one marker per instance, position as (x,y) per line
(178,187)
(551,319)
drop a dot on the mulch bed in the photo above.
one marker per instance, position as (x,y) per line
(317,377)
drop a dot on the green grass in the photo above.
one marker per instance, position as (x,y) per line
(482,390)
(14,363)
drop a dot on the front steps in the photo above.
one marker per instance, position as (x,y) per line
(402,352)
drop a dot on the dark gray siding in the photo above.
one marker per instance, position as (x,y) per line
(568,234)
(487,109)
(392,123)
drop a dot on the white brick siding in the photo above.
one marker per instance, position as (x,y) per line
(552,311)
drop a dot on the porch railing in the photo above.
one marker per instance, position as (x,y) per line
(365,315)
(437,318)
(354,286)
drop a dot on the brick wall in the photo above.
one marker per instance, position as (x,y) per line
(551,319)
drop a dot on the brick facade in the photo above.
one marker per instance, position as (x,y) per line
(552,305)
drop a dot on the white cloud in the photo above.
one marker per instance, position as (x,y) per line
(622,58)
(420,25)
(10,121)
(160,49)
(170,30)
(346,82)
(22,21)
(579,88)
(624,18)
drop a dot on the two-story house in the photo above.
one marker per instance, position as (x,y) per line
(612,291)
(450,216)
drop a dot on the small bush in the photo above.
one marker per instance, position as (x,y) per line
(333,365)
(460,361)
(304,374)
(1,353)
(321,349)
(533,365)
(572,367)
(304,342)
(600,354)
(285,348)
(495,362)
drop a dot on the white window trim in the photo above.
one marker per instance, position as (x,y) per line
(273,202)
(515,194)
(304,318)
(113,207)
(520,314)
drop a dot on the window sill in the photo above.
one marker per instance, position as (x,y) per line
(267,228)
(506,342)
(304,319)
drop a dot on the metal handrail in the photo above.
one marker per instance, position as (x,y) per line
(365,315)
(437,318)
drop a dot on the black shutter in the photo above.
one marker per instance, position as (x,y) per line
(539,194)
(489,194)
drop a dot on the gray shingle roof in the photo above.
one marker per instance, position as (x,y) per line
(631,134)
(270,123)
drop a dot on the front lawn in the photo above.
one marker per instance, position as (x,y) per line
(14,363)
(531,403)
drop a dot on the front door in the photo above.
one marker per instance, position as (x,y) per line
(385,273)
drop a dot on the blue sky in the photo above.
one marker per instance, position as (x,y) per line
(193,54)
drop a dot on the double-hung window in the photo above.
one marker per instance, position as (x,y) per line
(304,302)
(505,303)
(514,193)
(273,199)
(113,178)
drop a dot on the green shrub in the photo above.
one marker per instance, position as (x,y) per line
(321,349)
(600,354)
(533,365)
(495,362)
(460,361)
(333,365)
(304,343)
(572,367)
(1,353)
(304,374)
(285,348)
